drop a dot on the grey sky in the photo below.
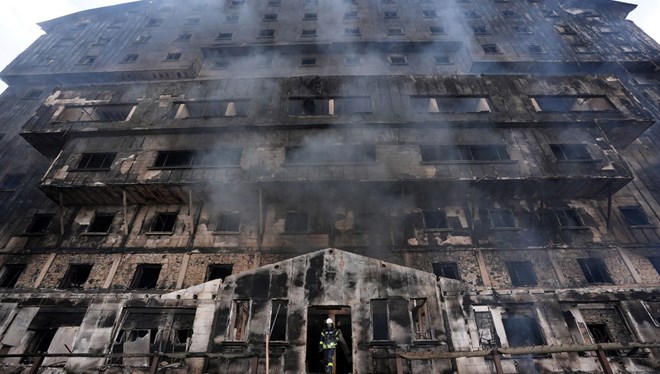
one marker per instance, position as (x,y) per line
(18,20)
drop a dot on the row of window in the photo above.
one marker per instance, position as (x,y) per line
(522,273)
(145,277)
(298,221)
(333,106)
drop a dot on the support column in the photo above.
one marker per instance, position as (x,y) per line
(116,259)
(482,269)
(44,270)
(182,271)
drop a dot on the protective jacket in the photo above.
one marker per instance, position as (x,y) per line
(329,338)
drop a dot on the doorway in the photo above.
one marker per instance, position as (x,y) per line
(316,317)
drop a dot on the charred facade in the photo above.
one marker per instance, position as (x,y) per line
(463,185)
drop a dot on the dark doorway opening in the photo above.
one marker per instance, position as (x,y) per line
(316,317)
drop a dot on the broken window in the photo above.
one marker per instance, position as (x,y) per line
(502,218)
(570,152)
(522,331)
(430,14)
(449,104)
(52,330)
(352,31)
(163,222)
(11,182)
(39,343)
(172,56)
(436,30)
(184,37)
(486,329)
(308,61)
(40,224)
(490,48)
(394,31)
(278,318)
(330,155)
(296,222)
(211,108)
(380,319)
(228,222)
(316,106)
(207,158)
(9,275)
(398,60)
(521,273)
(266,34)
(480,29)
(446,270)
(218,271)
(309,32)
(101,223)
(568,218)
(224,36)
(129,58)
(634,216)
(240,316)
(148,330)
(96,161)
(439,153)
(390,14)
(96,113)
(270,17)
(87,60)
(76,276)
(594,270)
(142,38)
(435,219)
(421,319)
(535,48)
(310,16)
(351,14)
(146,276)
(571,104)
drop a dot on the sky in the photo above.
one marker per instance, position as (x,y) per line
(19,18)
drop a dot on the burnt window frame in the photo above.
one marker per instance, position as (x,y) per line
(233,321)
(266,34)
(72,273)
(310,16)
(10,274)
(595,270)
(635,222)
(104,159)
(130,58)
(281,316)
(142,270)
(435,104)
(436,216)
(463,153)
(395,31)
(443,59)
(352,31)
(270,17)
(398,60)
(226,269)
(88,59)
(569,215)
(197,159)
(442,269)
(95,113)
(390,14)
(351,14)
(430,13)
(345,154)
(420,318)
(306,62)
(163,220)
(376,333)
(480,30)
(221,225)
(224,36)
(521,273)
(183,37)
(39,220)
(566,106)
(315,106)
(294,225)
(211,108)
(507,223)
(173,56)
(522,340)
(571,152)
(535,48)
(110,217)
(655,262)
(491,49)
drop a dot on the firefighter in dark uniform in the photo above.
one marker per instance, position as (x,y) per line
(328,344)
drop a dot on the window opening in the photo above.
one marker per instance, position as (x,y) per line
(228,222)
(634,216)
(101,223)
(240,316)
(76,276)
(571,104)
(435,219)
(521,273)
(40,224)
(568,218)
(522,331)
(330,155)
(96,113)
(96,161)
(421,320)
(594,270)
(278,320)
(218,271)
(11,182)
(146,276)
(446,269)
(10,274)
(163,222)
(296,222)
(380,319)
(502,218)
(435,153)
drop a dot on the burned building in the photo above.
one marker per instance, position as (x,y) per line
(464,186)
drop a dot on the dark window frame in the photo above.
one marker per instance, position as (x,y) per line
(380,334)
(567,216)
(10,275)
(228,222)
(293,222)
(502,219)
(636,217)
(330,155)
(100,161)
(144,270)
(522,273)
(452,153)
(38,225)
(595,270)
(11,182)
(76,276)
(215,271)
(530,335)
(198,159)
(106,220)
(446,270)
(163,223)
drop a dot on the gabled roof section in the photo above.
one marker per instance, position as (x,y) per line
(49,25)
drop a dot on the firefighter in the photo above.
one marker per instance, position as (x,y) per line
(328,343)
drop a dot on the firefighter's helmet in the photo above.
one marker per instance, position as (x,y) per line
(329,321)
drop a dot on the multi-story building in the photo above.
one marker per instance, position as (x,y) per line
(195,186)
